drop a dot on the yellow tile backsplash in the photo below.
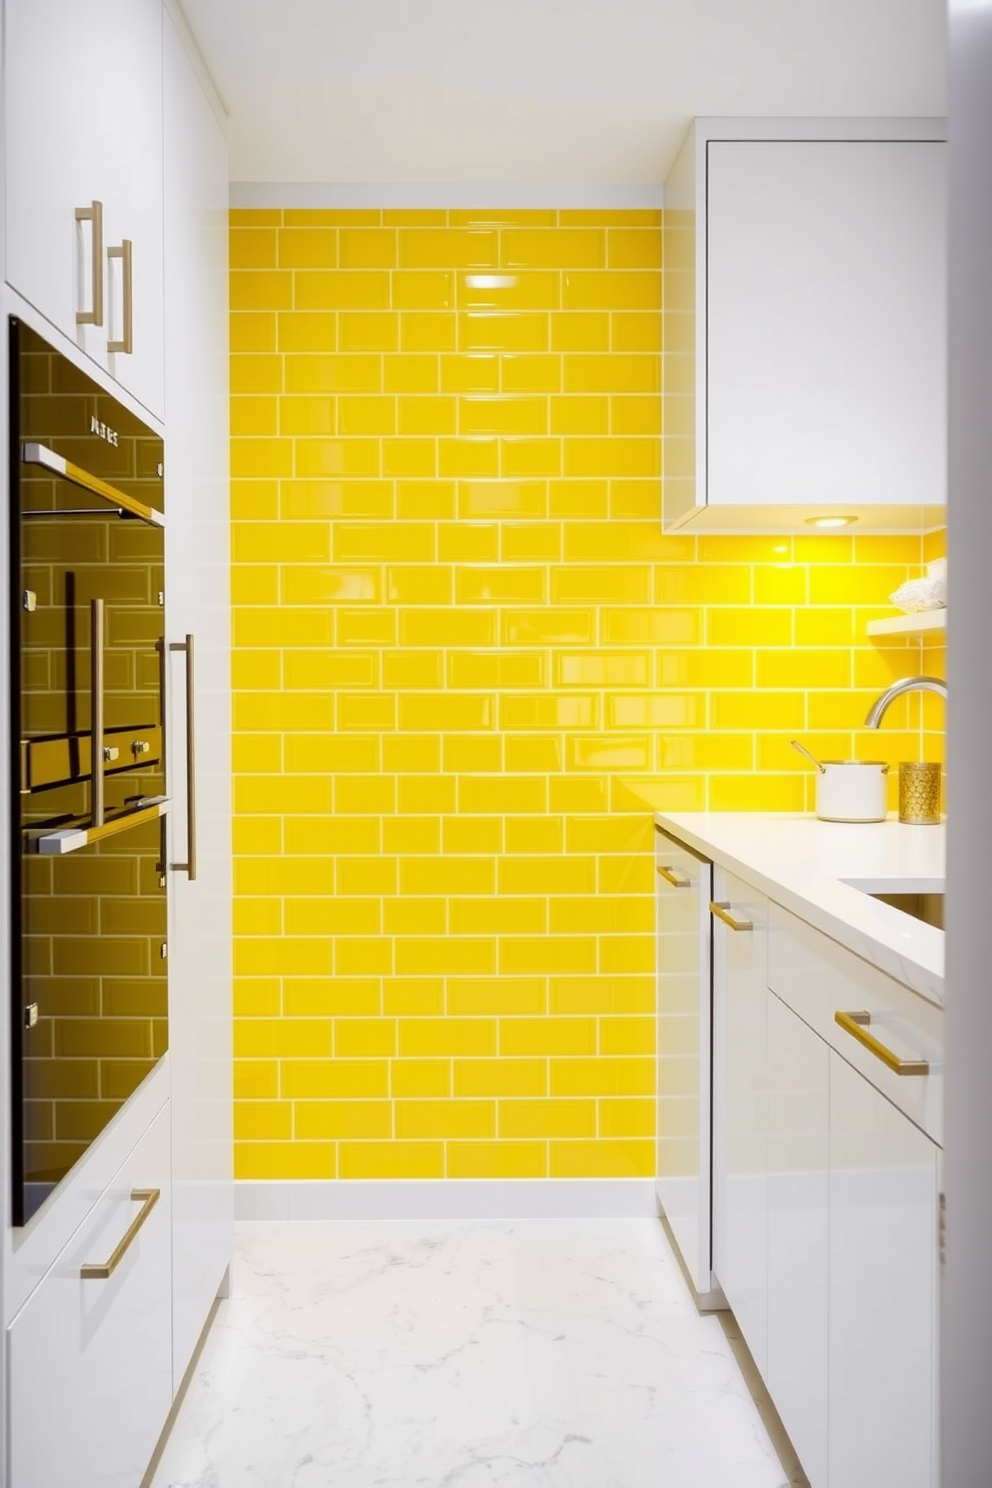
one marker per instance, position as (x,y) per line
(457,624)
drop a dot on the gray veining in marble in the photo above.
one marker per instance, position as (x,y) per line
(523,1354)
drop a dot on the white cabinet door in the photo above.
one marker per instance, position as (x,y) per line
(883,1237)
(740,1107)
(83,116)
(684,1034)
(90,1381)
(798,1163)
(825,322)
(197,603)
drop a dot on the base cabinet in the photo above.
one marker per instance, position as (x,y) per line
(90,1358)
(684,1134)
(825,1197)
(883,1265)
(740,1127)
(798,1233)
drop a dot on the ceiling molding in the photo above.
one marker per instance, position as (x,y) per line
(446,194)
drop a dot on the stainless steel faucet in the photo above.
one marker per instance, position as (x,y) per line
(908,684)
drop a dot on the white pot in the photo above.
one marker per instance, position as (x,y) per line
(851,791)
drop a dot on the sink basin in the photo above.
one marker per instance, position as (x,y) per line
(926,907)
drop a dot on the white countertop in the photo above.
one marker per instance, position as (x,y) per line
(809,866)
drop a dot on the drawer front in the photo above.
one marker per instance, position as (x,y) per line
(818,978)
(682,896)
(740,1107)
(90,1359)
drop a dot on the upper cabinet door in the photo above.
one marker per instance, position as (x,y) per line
(805,325)
(83,133)
(825,322)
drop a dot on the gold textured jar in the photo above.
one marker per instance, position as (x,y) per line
(919,794)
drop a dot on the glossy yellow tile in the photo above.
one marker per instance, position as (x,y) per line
(309,248)
(457,627)
(444,248)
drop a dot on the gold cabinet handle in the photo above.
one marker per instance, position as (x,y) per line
(723,912)
(858,1024)
(126,342)
(94,214)
(675,878)
(189,867)
(98,760)
(147,1198)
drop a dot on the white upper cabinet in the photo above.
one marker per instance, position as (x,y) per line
(84,178)
(805,325)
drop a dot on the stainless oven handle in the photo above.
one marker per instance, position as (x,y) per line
(97,761)
(40,454)
(93,214)
(126,341)
(189,867)
(70,839)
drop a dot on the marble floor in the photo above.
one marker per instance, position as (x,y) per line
(520,1354)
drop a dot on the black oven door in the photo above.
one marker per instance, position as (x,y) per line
(89,995)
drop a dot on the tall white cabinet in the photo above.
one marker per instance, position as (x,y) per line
(198,605)
(91,1364)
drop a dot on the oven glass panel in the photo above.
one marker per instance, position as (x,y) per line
(90,910)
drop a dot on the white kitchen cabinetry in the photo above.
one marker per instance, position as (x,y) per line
(684,886)
(883,1265)
(83,124)
(798,1233)
(827,1117)
(805,324)
(90,1380)
(198,604)
(740,1113)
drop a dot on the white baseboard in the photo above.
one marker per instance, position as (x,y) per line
(459,1198)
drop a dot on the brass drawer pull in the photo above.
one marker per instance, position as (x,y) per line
(147,1198)
(675,878)
(94,215)
(125,341)
(723,912)
(857,1025)
(189,867)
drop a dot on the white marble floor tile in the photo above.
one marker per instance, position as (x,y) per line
(524,1354)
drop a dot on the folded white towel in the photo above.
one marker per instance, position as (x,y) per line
(924,594)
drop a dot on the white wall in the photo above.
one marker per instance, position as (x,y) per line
(966,1420)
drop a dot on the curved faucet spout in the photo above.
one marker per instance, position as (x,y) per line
(908,684)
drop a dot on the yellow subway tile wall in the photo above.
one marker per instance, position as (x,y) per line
(457,629)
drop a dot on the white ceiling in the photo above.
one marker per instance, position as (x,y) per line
(543,91)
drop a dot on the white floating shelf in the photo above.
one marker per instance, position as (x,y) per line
(909,624)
